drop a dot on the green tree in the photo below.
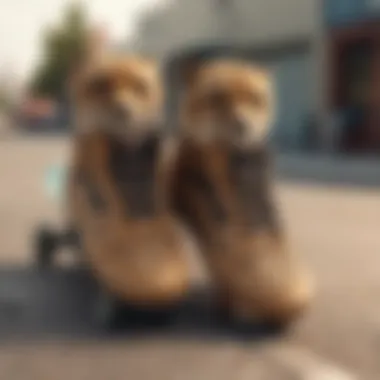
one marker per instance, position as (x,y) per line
(6,95)
(4,100)
(63,46)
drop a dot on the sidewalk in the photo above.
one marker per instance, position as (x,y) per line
(329,170)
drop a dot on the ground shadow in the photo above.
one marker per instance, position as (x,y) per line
(59,304)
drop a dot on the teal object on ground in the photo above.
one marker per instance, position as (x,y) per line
(55,182)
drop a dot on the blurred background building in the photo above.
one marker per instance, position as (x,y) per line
(353,44)
(324,55)
(282,34)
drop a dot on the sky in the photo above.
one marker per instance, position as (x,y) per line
(22,21)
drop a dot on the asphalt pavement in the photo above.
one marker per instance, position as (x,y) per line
(333,224)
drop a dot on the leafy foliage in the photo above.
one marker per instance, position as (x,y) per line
(62,46)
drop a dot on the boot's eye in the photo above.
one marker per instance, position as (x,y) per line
(140,88)
(256,99)
(217,100)
(100,86)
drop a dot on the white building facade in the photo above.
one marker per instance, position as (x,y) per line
(286,34)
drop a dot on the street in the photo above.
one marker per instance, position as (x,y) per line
(334,228)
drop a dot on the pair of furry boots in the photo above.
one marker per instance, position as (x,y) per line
(132,189)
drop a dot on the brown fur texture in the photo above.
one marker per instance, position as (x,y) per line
(141,261)
(135,249)
(227,101)
(220,184)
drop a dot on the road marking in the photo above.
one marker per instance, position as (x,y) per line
(307,365)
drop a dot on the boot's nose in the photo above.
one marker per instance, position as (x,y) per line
(238,125)
(122,112)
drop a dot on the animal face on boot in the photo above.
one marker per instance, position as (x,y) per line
(120,95)
(229,101)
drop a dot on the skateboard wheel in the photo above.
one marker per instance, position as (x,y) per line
(106,310)
(46,244)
